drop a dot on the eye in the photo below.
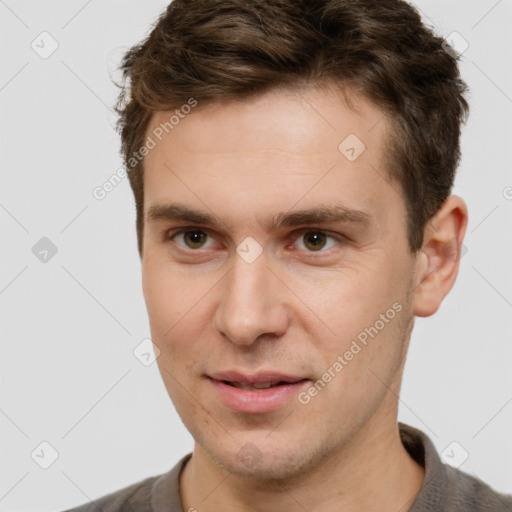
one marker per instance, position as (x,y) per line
(309,240)
(317,241)
(189,238)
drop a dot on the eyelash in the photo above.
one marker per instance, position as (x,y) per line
(341,239)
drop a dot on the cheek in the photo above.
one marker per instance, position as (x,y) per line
(169,297)
(363,324)
(346,303)
(178,309)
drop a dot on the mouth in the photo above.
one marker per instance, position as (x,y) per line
(256,393)
(259,385)
(260,380)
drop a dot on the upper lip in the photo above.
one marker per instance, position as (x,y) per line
(254,378)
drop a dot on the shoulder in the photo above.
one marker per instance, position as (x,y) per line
(135,497)
(153,494)
(466,492)
(446,488)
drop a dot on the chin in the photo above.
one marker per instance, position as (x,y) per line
(271,463)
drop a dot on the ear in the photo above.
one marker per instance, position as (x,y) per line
(437,264)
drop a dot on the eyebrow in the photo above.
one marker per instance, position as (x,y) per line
(323,214)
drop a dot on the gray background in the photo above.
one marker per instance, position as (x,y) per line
(70,325)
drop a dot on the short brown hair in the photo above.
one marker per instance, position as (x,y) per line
(221,50)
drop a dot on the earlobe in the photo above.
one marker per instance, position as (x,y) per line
(437,263)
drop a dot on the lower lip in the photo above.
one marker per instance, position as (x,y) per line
(257,401)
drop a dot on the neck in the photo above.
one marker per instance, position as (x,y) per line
(372,472)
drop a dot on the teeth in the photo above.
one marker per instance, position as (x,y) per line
(241,385)
(260,385)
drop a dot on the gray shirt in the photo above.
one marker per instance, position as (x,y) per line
(444,489)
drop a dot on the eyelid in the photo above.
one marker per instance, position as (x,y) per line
(342,239)
(338,236)
(170,234)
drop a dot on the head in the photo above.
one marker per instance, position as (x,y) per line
(309,149)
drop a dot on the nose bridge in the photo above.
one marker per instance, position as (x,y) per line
(250,304)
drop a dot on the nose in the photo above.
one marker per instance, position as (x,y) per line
(252,303)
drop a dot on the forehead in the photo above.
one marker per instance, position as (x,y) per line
(273,151)
(294,121)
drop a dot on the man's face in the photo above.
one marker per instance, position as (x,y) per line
(275,300)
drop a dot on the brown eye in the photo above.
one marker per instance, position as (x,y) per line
(194,239)
(318,241)
(314,240)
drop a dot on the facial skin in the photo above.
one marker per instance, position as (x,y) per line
(293,309)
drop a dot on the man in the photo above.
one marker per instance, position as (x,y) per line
(292,163)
